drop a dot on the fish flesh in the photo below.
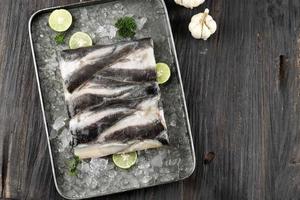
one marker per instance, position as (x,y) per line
(93,93)
(100,150)
(113,99)
(79,65)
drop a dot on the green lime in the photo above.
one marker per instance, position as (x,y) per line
(80,39)
(125,160)
(163,72)
(60,20)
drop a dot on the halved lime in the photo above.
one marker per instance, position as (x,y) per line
(125,160)
(60,20)
(80,39)
(163,72)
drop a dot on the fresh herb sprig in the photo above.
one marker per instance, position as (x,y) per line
(60,38)
(126,27)
(73,163)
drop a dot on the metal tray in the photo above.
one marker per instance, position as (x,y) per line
(99,177)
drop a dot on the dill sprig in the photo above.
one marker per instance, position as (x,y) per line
(126,27)
(60,38)
(73,163)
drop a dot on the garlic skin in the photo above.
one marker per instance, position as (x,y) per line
(202,25)
(189,3)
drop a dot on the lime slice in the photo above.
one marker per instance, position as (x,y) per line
(125,160)
(163,72)
(60,20)
(80,39)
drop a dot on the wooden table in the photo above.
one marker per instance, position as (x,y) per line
(243,93)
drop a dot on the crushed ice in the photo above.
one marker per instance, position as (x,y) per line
(64,140)
(58,123)
(100,175)
(107,31)
(140,22)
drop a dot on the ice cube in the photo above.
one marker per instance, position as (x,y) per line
(107,31)
(173,123)
(84,14)
(140,22)
(105,187)
(130,181)
(173,162)
(164,171)
(94,183)
(144,165)
(166,178)
(85,167)
(98,164)
(64,140)
(157,161)
(53,134)
(146,179)
(58,123)
(112,174)
(138,172)
(91,182)
(110,166)
(119,6)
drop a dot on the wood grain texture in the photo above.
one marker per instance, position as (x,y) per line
(242,88)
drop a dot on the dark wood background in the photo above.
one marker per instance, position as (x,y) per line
(243,93)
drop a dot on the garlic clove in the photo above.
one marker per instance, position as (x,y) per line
(197,33)
(205,33)
(189,3)
(211,24)
(195,30)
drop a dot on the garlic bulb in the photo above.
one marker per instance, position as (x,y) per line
(202,25)
(189,3)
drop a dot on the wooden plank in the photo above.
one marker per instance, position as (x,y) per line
(2,149)
(242,88)
(243,101)
(24,164)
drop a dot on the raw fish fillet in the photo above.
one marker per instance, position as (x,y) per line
(113,99)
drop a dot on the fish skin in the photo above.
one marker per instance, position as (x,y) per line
(90,133)
(87,71)
(163,138)
(146,121)
(113,99)
(73,54)
(96,128)
(129,75)
(82,102)
(148,131)
(106,81)
(87,65)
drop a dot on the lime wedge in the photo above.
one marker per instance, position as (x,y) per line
(163,72)
(125,160)
(60,20)
(80,39)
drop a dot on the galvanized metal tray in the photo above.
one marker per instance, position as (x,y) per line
(98,177)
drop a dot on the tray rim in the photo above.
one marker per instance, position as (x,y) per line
(173,49)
